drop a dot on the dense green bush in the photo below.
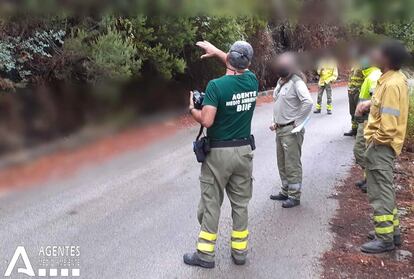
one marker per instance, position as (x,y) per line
(114,56)
(135,46)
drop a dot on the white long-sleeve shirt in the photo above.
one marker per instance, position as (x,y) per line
(292,102)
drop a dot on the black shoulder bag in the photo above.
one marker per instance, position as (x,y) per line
(201,146)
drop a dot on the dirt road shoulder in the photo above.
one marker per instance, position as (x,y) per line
(352,223)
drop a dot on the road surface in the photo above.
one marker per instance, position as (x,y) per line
(135,215)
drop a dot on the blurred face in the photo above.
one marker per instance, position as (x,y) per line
(378,59)
(365,62)
(284,65)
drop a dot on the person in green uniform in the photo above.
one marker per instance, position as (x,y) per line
(227,114)
(292,108)
(371,75)
(354,86)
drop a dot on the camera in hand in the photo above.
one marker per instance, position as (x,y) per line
(198,98)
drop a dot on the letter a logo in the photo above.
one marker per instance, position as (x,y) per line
(20,251)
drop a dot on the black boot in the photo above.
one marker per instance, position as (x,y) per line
(351,133)
(289,203)
(364,188)
(377,246)
(194,260)
(397,238)
(329,112)
(238,260)
(360,183)
(279,197)
(317,111)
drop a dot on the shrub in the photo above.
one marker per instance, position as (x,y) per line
(17,53)
(115,56)
(410,127)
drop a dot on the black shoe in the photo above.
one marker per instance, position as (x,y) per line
(360,183)
(364,188)
(317,111)
(397,238)
(329,112)
(238,261)
(279,197)
(194,260)
(351,133)
(377,246)
(289,203)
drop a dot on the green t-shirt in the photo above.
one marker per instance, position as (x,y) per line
(235,100)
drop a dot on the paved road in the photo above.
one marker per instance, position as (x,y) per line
(135,216)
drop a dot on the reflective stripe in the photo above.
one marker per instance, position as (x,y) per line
(240,234)
(205,247)
(396,223)
(395,211)
(239,245)
(318,106)
(207,236)
(329,107)
(385,230)
(384,218)
(295,187)
(395,112)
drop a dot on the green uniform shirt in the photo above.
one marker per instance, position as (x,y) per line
(235,100)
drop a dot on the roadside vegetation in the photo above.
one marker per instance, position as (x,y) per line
(62,70)
(410,130)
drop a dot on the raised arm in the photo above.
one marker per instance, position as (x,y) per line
(212,51)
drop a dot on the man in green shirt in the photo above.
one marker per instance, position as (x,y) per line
(227,114)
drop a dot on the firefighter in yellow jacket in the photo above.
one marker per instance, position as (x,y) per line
(385,133)
(328,73)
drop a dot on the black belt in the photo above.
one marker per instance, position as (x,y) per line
(285,125)
(230,143)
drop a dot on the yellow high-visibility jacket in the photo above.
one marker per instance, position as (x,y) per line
(328,72)
(387,122)
(371,75)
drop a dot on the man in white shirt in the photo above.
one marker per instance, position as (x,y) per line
(292,108)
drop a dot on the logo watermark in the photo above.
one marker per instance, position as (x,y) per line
(53,261)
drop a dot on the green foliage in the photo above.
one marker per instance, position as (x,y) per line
(122,46)
(8,62)
(114,56)
(16,53)
(221,31)
(410,127)
(161,42)
(403,31)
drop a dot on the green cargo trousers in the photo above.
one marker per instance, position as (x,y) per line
(381,193)
(289,153)
(360,146)
(328,89)
(225,169)
(353,98)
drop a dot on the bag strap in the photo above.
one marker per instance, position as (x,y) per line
(200,132)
